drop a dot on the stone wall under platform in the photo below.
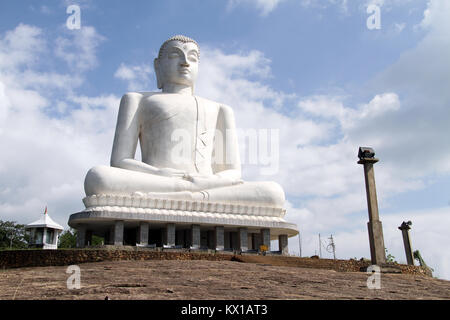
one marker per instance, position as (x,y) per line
(61,257)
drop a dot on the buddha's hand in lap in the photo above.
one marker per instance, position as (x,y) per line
(204,182)
(170,172)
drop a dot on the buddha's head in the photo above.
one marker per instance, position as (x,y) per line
(177,62)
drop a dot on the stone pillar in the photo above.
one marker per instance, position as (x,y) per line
(243,239)
(195,236)
(283,244)
(81,236)
(265,238)
(250,241)
(219,238)
(142,234)
(118,233)
(405,227)
(376,240)
(169,235)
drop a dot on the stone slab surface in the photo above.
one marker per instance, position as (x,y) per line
(171,279)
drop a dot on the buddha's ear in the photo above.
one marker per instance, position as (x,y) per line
(158,73)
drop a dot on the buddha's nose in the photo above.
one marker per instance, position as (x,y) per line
(184,64)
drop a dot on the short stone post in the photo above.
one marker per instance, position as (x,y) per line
(243,239)
(195,236)
(142,234)
(118,233)
(283,244)
(265,238)
(219,238)
(376,240)
(405,227)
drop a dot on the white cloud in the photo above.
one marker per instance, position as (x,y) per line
(48,143)
(399,27)
(137,77)
(264,6)
(78,48)
(18,46)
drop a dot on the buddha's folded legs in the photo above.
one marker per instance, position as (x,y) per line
(111,180)
(261,193)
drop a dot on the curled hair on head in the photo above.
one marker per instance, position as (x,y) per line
(180,38)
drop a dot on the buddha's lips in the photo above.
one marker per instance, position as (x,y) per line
(184,70)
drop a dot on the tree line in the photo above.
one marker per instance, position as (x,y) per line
(13,236)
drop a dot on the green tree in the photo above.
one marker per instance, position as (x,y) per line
(389,257)
(68,239)
(12,235)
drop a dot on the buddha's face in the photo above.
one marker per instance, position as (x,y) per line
(178,64)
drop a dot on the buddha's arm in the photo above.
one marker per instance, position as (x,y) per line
(127,134)
(227,163)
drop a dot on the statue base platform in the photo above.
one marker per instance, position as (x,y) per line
(103,210)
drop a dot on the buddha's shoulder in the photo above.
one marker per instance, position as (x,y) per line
(139,95)
(218,105)
(159,98)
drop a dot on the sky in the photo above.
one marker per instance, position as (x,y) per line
(314,73)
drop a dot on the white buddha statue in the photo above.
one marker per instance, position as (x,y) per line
(209,171)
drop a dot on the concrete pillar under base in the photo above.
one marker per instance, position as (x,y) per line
(195,236)
(81,236)
(283,244)
(219,238)
(169,235)
(265,238)
(376,241)
(250,241)
(243,239)
(142,234)
(118,233)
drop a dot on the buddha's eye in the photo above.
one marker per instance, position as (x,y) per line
(173,54)
(193,58)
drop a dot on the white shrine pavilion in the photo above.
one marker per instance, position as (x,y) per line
(44,232)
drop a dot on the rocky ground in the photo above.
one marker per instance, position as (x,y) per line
(194,279)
